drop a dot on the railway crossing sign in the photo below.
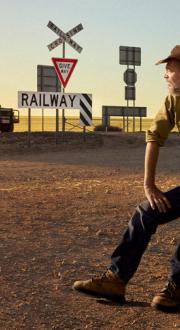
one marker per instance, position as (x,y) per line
(65,37)
(38,100)
(64,68)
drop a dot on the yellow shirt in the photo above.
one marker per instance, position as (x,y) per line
(167,117)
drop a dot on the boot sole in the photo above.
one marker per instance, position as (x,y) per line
(115,298)
(164,308)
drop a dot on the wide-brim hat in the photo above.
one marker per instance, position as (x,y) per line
(175,54)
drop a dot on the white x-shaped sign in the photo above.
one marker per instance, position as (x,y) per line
(65,37)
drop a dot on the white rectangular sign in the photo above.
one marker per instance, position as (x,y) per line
(40,100)
(48,100)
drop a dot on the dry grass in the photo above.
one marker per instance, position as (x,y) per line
(72,124)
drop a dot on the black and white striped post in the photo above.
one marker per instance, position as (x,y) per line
(85,112)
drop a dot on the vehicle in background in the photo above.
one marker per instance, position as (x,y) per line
(8,117)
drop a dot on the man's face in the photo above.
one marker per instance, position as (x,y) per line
(172,76)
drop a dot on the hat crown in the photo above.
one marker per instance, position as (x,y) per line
(176,51)
(175,54)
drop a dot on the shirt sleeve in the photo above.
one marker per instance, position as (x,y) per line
(163,122)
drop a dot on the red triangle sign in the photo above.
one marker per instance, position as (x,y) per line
(64,68)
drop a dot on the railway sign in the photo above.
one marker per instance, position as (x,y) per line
(65,37)
(38,100)
(64,68)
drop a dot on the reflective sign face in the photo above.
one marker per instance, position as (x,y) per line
(65,37)
(70,33)
(130,55)
(39,100)
(64,68)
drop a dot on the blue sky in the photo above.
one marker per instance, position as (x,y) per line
(153,26)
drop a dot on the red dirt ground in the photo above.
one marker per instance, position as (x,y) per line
(63,209)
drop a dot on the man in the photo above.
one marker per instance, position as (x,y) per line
(160,208)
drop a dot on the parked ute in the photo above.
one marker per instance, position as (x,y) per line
(8,117)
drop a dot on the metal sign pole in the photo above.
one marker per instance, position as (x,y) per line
(29,127)
(140,124)
(133,117)
(57,125)
(63,110)
(42,120)
(84,133)
(127,118)
(124,125)
(133,112)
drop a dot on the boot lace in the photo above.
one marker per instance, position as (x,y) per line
(101,276)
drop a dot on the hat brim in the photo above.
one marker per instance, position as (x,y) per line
(164,60)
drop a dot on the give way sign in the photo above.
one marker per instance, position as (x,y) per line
(64,68)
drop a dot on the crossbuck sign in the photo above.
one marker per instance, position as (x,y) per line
(65,37)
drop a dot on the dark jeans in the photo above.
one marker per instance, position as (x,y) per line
(126,257)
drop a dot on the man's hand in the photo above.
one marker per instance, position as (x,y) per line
(155,196)
(157,199)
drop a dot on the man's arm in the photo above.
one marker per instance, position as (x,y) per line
(155,197)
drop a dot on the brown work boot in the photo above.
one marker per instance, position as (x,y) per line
(109,286)
(168,299)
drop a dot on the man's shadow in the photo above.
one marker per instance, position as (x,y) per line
(132,303)
(126,304)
